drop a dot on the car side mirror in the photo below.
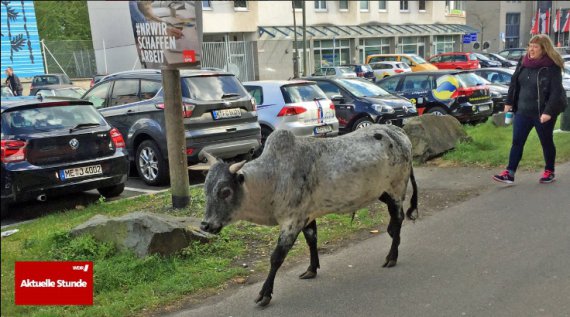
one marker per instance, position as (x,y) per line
(337,98)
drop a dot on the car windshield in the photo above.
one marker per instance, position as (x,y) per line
(345,70)
(49,118)
(362,88)
(45,80)
(210,88)
(482,57)
(366,68)
(302,92)
(74,92)
(417,59)
(469,80)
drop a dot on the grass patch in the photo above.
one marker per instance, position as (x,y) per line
(491,146)
(125,285)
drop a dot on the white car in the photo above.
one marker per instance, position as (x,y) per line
(336,71)
(299,106)
(385,69)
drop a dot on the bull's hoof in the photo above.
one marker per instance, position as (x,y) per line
(308,275)
(389,263)
(262,301)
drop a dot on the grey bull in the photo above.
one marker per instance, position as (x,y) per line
(296,180)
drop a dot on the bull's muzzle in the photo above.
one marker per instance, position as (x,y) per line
(210,228)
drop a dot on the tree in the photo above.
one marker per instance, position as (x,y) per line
(63,20)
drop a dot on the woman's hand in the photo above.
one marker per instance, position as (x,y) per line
(508,108)
(545,117)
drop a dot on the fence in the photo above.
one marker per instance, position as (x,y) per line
(234,57)
(74,58)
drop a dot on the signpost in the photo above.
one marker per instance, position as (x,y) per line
(466,38)
(169,37)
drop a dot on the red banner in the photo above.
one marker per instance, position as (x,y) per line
(54,283)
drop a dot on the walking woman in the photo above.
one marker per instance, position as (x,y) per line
(536,97)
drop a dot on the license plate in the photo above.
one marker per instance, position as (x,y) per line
(226,113)
(80,171)
(322,129)
(484,108)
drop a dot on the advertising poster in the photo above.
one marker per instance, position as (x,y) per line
(167,33)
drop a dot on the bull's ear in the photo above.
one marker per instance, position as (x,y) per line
(240,178)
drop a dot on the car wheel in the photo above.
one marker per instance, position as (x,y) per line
(152,168)
(265,132)
(111,191)
(362,123)
(437,111)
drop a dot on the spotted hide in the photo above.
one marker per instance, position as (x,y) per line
(298,179)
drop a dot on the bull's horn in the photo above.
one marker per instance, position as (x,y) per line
(234,168)
(211,159)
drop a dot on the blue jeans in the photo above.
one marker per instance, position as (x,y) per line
(522,125)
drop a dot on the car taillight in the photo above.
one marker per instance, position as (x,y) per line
(187,109)
(397,71)
(13,151)
(91,83)
(331,105)
(360,74)
(189,151)
(117,138)
(463,92)
(291,111)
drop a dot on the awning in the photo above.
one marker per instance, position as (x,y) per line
(362,31)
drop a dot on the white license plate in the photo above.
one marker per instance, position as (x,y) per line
(322,129)
(484,108)
(80,171)
(226,113)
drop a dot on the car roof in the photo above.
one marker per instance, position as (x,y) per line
(156,73)
(26,102)
(277,83)
(388,62)
(508,70)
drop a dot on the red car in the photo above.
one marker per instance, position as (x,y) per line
(455,60)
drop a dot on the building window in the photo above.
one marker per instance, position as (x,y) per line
(512,30)
(443,43)
(411,45)
(343,4)
(206,5)
(298,4)
(382,5)
(331,52)
(364,5)
(404,6)
(455,7)
(320,5)
(372,46)
(422,5)
(240,4)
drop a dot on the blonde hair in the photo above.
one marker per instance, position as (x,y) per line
(546,45)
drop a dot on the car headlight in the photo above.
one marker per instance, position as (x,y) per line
(383,108)
(411,108)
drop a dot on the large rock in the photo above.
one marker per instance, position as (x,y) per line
(433,135)
(498,119)
(144,233)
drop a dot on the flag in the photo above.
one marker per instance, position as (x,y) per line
(535,23)
(566,27)
(546,29)
(556,24)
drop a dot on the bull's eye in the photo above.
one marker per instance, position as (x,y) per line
(225,192)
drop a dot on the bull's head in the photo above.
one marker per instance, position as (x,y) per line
(224,194)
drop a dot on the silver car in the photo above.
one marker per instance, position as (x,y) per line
(336,71)
(298,106)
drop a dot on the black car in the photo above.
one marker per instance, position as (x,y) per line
(496,75)
(485,61)
(461,94)
(359,103)
(58,147)
(513,54)
(362,70)
(504,62)
(219,117)
(48,81)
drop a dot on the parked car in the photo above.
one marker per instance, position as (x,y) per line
(385,69)
(336,71)
(96,78)
(565,57)
(485,61)
(496,75)
(513,54)
(455,60)
(498,92)
(219,117)
(298,106)
(504,62)
(58,147)
(415,62)
(61,91)
(362,70)
(360,103)
(450,92)
(6,91)
(48,81)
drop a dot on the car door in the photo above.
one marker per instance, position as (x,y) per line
(416,88)
(390,84)
(342,101)
(122,109)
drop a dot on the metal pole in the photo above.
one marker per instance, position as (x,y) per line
(45,56)
(105,57)
(175,138)
(304,40)
(296,50)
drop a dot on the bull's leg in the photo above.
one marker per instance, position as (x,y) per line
(286,240)
(396,218)
(310,233)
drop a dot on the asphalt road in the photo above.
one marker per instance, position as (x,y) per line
(503,253)
(33,209)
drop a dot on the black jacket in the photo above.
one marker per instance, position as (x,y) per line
(551,94)
(13,82)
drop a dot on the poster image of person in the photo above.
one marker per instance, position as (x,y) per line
(167,32)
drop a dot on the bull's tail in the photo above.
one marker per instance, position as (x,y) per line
(414,200)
